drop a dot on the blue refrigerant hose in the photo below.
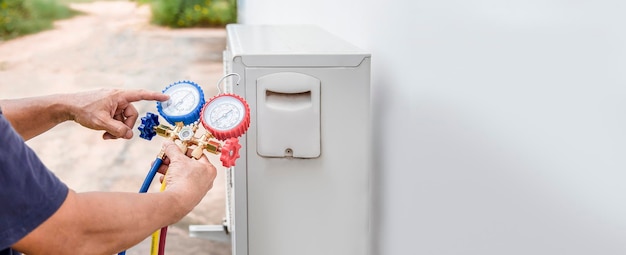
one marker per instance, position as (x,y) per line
(146,182)
(150,176)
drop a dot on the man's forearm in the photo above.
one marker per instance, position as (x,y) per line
(103,223)
(123,220)
(33,116)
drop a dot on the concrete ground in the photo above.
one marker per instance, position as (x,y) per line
(113,45)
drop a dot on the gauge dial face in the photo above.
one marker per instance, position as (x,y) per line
(184,99)
(224,113)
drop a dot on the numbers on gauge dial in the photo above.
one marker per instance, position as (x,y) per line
(224,113)
(184,99)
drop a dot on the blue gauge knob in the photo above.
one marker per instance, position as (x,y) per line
(185,103)
(148,123)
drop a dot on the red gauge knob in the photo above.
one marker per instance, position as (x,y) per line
(230,152)
(226,116)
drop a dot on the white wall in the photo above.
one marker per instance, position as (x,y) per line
(501,125)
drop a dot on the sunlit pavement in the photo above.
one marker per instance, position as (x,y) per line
(114,46)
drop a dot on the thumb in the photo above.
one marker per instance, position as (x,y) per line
(172,151)
(117,129)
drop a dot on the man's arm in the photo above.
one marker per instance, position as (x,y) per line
(106,109)
(107,223)
(101,223)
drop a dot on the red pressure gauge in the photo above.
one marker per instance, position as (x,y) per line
(226,116)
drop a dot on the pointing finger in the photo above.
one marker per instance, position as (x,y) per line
(142,94)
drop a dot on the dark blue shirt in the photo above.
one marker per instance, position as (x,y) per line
(29,192)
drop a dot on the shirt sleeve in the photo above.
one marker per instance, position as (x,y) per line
(29,192)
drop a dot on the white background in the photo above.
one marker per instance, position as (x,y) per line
(500,125)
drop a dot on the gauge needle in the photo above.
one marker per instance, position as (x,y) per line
(224,115)
(183,100)
(188,95)
(178,103)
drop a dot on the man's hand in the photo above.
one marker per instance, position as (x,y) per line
(110,110)
(189,178)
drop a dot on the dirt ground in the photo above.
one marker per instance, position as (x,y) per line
(113,45)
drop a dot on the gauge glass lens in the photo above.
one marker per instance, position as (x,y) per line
(184,98)
(224,113)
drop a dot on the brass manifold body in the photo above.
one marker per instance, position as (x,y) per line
(188,140)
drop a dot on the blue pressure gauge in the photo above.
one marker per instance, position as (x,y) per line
(185,103)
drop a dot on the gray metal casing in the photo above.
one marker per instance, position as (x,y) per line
(289,205)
